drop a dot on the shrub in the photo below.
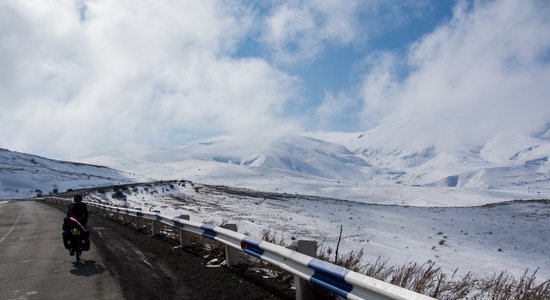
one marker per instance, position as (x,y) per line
(119,195)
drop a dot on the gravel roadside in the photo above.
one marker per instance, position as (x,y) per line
(153,268)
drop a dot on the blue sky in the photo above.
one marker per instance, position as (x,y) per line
(338,68)
(84,75)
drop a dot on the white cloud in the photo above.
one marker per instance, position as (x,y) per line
(484,72)
(380,87)
(299,30)
(336,109)
(99,73)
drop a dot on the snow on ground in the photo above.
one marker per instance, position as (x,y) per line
(377,193)
(25,175)
(484,239)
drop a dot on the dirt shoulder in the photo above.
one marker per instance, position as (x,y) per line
(153,268)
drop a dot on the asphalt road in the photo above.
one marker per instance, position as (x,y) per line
(122,263)
(35,265)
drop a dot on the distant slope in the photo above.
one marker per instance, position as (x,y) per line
(380,165)
(375,166)
(226,157)
(507,160)
(24,175)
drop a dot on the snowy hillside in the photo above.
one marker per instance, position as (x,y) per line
(368,167)
(506,161)
(227,158)
(24,175)
(510,236)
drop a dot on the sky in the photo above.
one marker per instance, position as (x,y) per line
(81,75)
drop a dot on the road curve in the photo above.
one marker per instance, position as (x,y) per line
(35,265)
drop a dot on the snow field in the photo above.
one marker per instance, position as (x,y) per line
(482,239)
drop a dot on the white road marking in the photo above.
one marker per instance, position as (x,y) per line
(11,229)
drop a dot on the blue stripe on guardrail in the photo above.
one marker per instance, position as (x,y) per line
(330,277)
(177,224)
(251,246)
(208,231)
(158,218)
(139,214)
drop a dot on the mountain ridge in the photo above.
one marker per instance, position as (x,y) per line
(26,175)
(507,166)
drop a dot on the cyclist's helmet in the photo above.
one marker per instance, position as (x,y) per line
(77,198)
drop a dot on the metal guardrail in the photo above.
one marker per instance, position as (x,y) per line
(338,280)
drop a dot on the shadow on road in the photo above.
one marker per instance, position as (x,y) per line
(87,268)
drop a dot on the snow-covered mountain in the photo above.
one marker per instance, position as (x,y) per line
(227,158)
(507,160)
(24,175)
(380,165)
(370,166)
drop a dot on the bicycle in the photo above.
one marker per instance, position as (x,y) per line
(76,238)
(76,244)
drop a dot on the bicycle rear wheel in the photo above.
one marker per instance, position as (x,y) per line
(77,255)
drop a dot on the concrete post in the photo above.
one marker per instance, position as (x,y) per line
(304,288)
(185,237)
(232,255)
(139,224)
(156,226)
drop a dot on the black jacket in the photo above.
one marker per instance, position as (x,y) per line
(79,211)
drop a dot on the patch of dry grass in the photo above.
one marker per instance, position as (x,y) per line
(428,279)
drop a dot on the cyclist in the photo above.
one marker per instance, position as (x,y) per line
(78,210)
(77,217)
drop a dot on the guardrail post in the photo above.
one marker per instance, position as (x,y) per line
(155,227)
(139,225)
(124,218)
(232,255)
(303,287)
(185,237)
